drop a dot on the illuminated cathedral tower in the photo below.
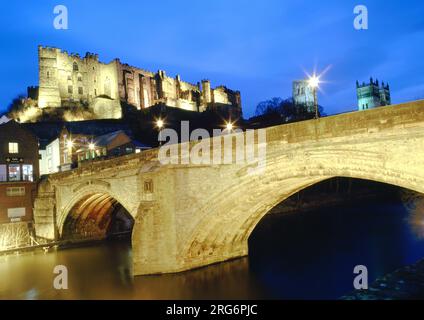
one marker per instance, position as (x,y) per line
(371,95)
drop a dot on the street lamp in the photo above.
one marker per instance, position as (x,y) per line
(69,144)
(229,126)
(159,125)
(313,82)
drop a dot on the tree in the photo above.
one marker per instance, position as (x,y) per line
(269,106)
(285,109)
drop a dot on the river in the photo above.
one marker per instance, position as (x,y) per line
(308,255)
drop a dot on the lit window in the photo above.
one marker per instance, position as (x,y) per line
(27,172)
(70,89)
(79,78)
(13,147)
(3,172)
(80,90)
(14,172)
(75,66)
(15,213)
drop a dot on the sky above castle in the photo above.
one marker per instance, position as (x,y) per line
(258,47)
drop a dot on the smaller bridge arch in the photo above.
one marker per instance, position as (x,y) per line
(96,216)
(98,198)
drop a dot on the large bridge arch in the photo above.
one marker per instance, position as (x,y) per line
(289,169)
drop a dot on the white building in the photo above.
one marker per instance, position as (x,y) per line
(50,158)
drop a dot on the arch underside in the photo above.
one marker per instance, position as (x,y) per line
(94,217)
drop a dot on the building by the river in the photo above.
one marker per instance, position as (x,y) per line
(19,171)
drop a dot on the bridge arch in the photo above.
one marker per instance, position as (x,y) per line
(89,213)
(225,234)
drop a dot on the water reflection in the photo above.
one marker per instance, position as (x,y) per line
(303,255)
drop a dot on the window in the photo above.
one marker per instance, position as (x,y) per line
(15,191)
(27,172)
(79,78)
(95,92)
(80,90)
(148,186)
(16,212)
(69,77)
(3,172)
(75,66)
(48,74)
(70,89)
(14,172)
(13,147)
(65,157)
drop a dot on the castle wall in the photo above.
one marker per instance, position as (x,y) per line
(221,95)
(136,86)
(69,80)
(49,95)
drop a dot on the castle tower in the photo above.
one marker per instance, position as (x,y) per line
(371,95)
(385,95)
(206,92)
(303,95)
(48,95)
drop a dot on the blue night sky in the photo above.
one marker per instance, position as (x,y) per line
(257,47)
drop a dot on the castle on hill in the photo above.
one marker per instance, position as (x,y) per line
(68,80)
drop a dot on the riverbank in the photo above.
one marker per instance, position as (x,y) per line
(406,283)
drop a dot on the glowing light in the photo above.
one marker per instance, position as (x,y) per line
(69,144)
(229,126)
(314,81)
(159,123)
(91,146)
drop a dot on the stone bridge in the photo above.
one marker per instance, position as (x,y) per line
(188,216)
